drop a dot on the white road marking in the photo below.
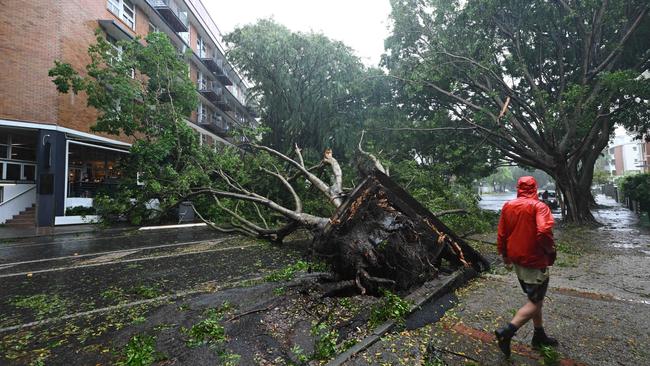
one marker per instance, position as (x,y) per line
(57,269)
(171,226)
(118,251)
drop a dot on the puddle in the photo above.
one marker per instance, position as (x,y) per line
(431,311)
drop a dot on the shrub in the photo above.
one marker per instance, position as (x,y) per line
(79,211)
(637,187)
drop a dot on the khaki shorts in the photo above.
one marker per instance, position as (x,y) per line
(533,281)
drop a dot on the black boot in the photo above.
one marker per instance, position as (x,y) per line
(504,335)
(540,339)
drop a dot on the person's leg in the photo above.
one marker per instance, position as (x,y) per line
(529,311)
(538,322)
(539,336)
(523,315)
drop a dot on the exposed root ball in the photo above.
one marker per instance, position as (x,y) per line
(382,237)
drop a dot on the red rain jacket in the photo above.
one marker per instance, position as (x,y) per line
(525,234)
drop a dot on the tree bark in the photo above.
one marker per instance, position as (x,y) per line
(576,195)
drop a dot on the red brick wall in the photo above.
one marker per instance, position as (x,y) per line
(32,35)
(618,159)
(77,36)
(29,43)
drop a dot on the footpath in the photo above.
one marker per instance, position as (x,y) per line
(597,306)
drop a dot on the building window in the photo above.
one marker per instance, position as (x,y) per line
(200,47)
(13,172)
(200,80)
(123,9)
(17,156)
(153,28)
(29,172)
(202,113)
(23,148)
(633,148)
(92,170)
(185,36)
(116,55)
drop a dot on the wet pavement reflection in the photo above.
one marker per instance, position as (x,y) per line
(620,227)
(45,247)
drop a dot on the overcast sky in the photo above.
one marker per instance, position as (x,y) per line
(360,24)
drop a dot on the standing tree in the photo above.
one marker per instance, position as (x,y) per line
(543,81)
(305,84)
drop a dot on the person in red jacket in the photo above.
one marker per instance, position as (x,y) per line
(525,241)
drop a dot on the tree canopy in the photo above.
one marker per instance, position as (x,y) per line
(305,83)
(141,89)
(313,91)
(542,81)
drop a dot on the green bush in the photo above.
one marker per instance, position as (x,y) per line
(637,187)
(79,211)
(325,342)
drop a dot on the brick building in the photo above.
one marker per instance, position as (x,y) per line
(50,161)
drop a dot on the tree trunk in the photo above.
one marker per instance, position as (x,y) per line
(576,196)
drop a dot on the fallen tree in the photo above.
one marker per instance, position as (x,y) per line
(379,235)
(372,235)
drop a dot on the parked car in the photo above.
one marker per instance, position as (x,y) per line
(550,199)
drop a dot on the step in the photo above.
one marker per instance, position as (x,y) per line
(20,216)
(20,221)
(21,225)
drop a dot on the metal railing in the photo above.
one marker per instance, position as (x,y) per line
(173,6)
(17,203)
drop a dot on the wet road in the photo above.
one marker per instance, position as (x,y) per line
(51,247)
(94,271)
(494,202)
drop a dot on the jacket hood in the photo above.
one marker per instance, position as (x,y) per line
(527,187)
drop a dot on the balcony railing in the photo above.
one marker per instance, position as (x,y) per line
(226,104)
(223,77)
(169,10)
(213,63)
(211,91)
(214,123)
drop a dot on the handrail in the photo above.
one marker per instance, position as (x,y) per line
(16,196)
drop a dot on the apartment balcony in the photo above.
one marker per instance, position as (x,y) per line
(213,64)
(226,104)
(168,9)
(223,77)
(214,123)
(211,91)
(251,111)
